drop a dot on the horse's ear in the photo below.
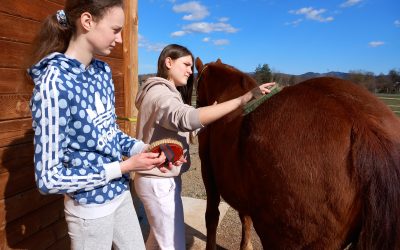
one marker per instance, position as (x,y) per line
(218,60)
(199,64)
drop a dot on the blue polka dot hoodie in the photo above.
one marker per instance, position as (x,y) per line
(78,145)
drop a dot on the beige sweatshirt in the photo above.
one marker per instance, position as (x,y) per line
(163,114)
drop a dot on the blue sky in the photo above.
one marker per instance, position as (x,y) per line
(292,37)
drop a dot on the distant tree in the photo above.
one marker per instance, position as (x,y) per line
(263,74)
(394,76)
(292,80)
(363,78)
(383,84)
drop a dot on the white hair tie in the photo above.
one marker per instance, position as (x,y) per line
(62,18)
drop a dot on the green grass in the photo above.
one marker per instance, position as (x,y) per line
(392,100)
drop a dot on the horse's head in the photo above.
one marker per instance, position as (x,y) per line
(220,82)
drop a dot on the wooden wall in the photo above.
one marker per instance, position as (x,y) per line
(28,219)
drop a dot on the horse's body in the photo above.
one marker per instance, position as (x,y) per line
(317,166)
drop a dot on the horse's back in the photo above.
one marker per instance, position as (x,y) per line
(299,147)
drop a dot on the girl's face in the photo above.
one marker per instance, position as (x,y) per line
(106,32)
(179,70)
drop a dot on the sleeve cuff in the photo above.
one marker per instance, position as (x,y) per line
(113,170)
(194,118)
(137,148)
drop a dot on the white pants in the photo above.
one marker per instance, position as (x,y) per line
(120,230)
(161,198)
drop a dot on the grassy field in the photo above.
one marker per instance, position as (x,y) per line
(393,101)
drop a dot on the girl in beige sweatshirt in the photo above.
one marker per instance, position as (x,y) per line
(165,112)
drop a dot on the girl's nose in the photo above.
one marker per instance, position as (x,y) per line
(118,38)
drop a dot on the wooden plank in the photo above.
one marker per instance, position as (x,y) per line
(130,68)
(14,81)
(32,223)
(120,111)
(16,182)
(23,30)
(117,52)
(116,64)
(16,137)
(62,244)
(8,156)
(60,2)
(13,54)
(23,203)
(118,83)
(119,100)
(30,9)
(45,238)
(14,132)
(14,106)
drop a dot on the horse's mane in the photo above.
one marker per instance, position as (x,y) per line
(229,68)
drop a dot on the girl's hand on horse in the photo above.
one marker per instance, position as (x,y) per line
(265,88)
(143,161)
(257,92)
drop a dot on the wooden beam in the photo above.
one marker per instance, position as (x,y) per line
(130,53)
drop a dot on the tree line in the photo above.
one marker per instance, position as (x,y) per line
(389,83)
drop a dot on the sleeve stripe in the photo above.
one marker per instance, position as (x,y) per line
(52,130)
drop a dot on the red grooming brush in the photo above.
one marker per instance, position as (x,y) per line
(172,149)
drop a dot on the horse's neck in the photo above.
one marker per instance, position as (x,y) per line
(228,130)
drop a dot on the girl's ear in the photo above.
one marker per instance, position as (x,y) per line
(168,62)
(86,21)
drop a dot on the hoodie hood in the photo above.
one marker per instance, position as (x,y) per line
(68,66)
(149,83)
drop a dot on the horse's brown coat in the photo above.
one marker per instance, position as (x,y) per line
(317,166)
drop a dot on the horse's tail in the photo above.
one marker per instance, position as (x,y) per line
(376,157)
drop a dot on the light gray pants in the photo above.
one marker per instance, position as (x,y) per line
(162,201)
(120,230)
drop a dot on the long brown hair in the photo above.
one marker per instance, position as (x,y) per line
(54,37)
(175,51)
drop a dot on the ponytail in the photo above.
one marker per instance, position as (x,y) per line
(53,37)
(57,29)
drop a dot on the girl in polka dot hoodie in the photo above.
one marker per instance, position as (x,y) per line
(78,144)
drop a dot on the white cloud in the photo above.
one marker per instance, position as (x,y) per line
(143,43)
(217,42)
(220,42)
(195,9)
(178,33)
(223,19)
(397,23)
(350,3)
(312,14)
(376,44)
(294,23)
(204,27)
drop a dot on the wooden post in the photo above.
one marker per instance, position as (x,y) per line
(130,53)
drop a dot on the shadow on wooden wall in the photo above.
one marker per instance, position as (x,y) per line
(31,220)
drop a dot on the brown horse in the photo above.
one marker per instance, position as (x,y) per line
(316,166)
